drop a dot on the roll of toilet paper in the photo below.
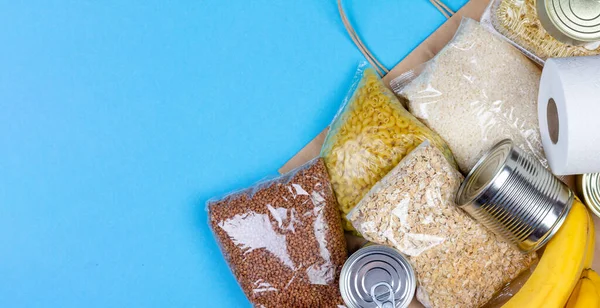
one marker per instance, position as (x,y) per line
(569,114)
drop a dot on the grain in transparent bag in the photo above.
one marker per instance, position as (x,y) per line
(518,22)
(457,261)
(369,135)
(283,239)
(477,91)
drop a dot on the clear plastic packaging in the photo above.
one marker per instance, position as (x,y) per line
(517,20)
(477,91)
(283,239)
(487,23)
(457,261)
(370,134)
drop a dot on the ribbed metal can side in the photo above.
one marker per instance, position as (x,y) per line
(588,188)
(521,201)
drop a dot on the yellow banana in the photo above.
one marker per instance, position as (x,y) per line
(593,276)
(589,258)
(589,255)
(588,295)
(580,297)
(574,295)
(560,267)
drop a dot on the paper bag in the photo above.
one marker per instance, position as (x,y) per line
(424,52)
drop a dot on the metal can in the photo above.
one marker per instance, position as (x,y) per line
(573,22)
(588,187)
(513,195)
(377,276)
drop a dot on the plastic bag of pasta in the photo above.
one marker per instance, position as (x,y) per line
(370,134)
(477,91)
(518,22)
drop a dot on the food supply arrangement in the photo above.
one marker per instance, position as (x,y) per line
(475,183)
(462,95)
(458,262)
(370,135)
(518,21)
(540,37)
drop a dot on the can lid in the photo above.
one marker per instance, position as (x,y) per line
(571,21)
(377,277)
(486,174)
(588,186)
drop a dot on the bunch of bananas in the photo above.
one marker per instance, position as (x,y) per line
(587,292)
(562,275)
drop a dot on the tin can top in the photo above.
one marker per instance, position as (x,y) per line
(377,277)
(588,187)
(487,174)
(573,22)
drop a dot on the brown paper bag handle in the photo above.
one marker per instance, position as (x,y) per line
(380,68)
(444,9)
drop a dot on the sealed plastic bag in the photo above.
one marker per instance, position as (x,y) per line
(518,21)
(475,92)
(283,239)
(370,134)
(458,262)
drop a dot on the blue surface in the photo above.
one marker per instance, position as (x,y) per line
(119,119)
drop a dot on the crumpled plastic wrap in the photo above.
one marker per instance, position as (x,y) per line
(457,261)
(370,134)
(283,239)
(475,92)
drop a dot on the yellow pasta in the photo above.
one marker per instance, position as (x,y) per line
(368,138)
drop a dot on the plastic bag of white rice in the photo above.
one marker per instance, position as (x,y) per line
(477,91)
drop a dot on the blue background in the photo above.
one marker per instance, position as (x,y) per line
(119,119)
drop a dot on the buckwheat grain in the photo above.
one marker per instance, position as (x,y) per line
(283,239)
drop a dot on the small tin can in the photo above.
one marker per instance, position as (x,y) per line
(377,276)
(513,195)
(573,22)
(588,187)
